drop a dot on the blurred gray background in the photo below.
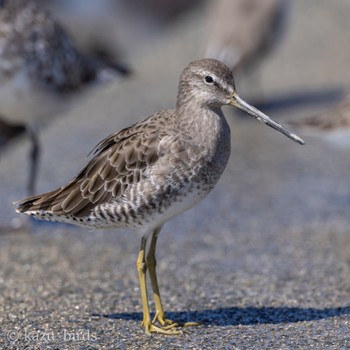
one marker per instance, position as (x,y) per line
(263,262)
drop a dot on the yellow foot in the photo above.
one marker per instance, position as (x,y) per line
(167,326)
(164,322)
(150,327)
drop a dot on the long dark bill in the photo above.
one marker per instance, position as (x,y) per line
(246,107)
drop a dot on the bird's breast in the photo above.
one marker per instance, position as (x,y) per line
(213,144)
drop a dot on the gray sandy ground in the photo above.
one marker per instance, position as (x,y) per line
(263,262)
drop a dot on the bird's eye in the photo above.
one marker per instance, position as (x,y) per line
(208,79)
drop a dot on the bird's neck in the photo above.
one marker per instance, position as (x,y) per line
(207,126)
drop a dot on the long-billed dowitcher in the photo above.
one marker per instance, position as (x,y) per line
(144,175)
(40,69)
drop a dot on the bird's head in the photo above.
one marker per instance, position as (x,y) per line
(210,83)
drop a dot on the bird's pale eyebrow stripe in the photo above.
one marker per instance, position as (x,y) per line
(217,80)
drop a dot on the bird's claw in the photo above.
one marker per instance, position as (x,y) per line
(167,326)
(150,327)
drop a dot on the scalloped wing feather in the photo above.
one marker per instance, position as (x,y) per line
(120,161)
(108,175)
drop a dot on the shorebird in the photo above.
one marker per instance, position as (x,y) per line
(154,170)
(40,69)
(332,125)
(93,25)
(241,32)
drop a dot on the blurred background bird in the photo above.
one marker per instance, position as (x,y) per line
(331,125)
(242,32)
(41,71)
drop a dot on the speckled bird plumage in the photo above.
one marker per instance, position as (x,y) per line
(32,40)
(146,174)
(139,174)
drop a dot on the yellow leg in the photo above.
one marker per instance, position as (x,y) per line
(141,269)
(151,265)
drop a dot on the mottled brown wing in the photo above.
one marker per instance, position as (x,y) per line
(120,160)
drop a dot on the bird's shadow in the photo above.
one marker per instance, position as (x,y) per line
(234,316)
